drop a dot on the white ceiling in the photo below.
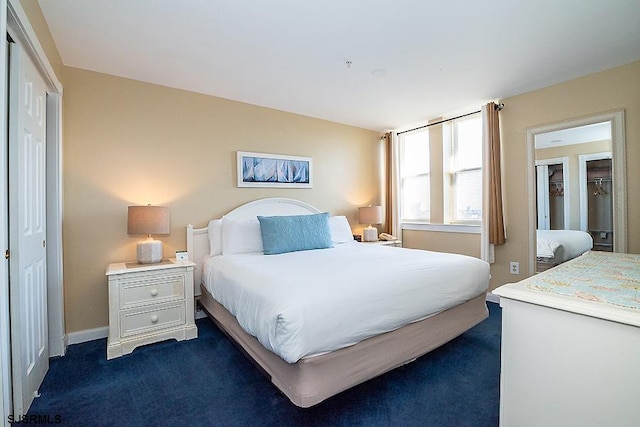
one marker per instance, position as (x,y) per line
(410,60)
(576,135)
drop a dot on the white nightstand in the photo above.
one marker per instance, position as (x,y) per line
(394,243)
(149,303)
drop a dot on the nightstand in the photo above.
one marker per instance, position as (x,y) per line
(393,243)
(149,303)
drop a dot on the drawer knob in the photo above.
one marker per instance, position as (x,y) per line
(154,319)
(154,292)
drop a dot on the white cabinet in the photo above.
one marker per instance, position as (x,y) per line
(560,368)
(149,303)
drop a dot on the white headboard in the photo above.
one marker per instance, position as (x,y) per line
(198,238)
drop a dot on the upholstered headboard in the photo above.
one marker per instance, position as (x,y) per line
(198,239)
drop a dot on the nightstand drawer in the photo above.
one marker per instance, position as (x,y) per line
(134,322)
(149,303)
(135,292)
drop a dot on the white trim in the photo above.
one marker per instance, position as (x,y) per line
(6,403)
(531,201)
(618,144)
(18,22)
(88,335)
(487,251)
(55,294)
(446,228)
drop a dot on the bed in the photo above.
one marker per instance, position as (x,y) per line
(570,344)
(557,246)
(284,310)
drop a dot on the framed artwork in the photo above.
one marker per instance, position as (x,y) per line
(274,170)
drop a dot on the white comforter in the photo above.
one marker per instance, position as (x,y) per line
(306,303)
(562,245)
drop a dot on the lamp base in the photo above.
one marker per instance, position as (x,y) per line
(149,251)
(370,234)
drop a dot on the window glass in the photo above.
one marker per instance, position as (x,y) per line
(468,196)
(416,195)
(414,170)
(469,144)
(415,159)
(466,171)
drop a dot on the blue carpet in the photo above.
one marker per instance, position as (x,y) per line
(207,381)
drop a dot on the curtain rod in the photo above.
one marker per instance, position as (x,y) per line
(497,107)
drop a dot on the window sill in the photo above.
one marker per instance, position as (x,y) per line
(447,228)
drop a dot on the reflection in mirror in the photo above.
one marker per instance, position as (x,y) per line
(571,213)
(576,189)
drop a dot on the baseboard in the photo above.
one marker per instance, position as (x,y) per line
(493,298)
(88,335)
(99,333)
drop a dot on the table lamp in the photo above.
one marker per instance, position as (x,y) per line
(370,215)
(148,220)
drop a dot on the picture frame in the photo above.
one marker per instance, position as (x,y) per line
(274,170)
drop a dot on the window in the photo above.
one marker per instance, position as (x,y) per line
(414,176)
(441,176)
(464,193)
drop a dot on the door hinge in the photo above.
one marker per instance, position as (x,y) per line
(6,254)
(44,243)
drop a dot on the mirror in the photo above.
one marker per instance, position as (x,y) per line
(576,189)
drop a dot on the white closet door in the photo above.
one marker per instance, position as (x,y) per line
(542,178)
(27,230)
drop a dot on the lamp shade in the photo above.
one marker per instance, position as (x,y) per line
(370,215)
(148,220)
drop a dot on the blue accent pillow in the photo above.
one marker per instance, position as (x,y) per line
(281,234)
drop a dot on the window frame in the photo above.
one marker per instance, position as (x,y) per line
(451,171)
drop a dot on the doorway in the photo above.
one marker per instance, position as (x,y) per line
(596,186)
(14,22)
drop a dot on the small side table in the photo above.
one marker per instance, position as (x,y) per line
(149,303)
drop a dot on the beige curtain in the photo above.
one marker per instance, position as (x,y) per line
(391,191)
(496,220)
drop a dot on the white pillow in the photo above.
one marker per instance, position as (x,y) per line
(241,236)
(214,230)
(340,230)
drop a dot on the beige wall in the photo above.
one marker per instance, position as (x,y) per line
(609,90)
(439,241)
(112,127)
(39,24)
(128,142)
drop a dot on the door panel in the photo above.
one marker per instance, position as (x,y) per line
(27,229)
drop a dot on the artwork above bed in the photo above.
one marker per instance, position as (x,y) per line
(274,170)
(321,315)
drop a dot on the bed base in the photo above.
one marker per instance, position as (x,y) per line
(314,379)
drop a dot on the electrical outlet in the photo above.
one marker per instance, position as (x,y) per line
(514,267)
